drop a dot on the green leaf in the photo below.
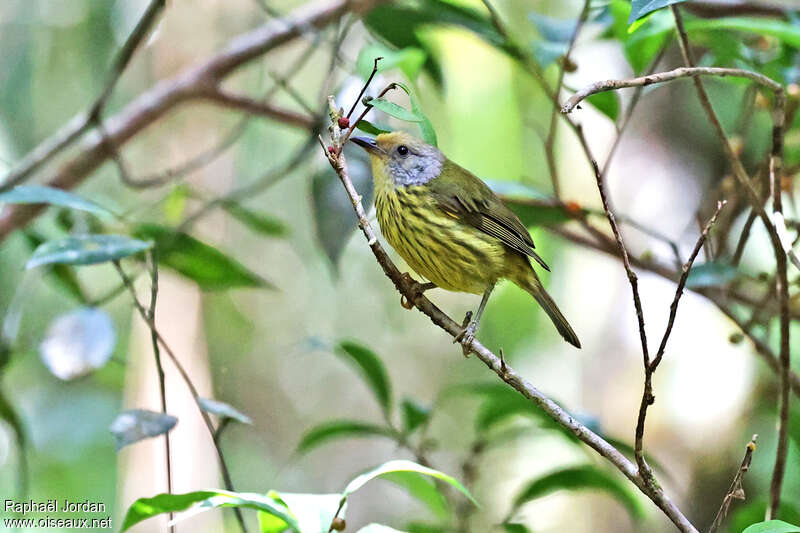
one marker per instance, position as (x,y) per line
(515,528)
(313,512)
(202,263)
(395,110)
(582,477)
(553,29)
(378,528)
(86,250)
(339,429)
(404,466)
(63,274)
(425,125)
(38,194)
(786,32)
(258,222)
(414,415)
(410,60)
(640,8)
(401,26)
(368,127)
(223,410)
(372,370)
(422,489)
(138,424)
(518,190)
(145,508)
(772,526)
(539,215)
(607,103)
(711,274)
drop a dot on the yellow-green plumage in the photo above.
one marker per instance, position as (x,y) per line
(449,226)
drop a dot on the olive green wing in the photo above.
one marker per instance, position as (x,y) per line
(462,195)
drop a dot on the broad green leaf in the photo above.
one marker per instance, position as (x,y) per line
(368,127)
(786,32)
(515,528)
(582,477)
(201,501)
(38,194)
(313,512)
(410,60)
(607,103)
(772,526)
(640,8)
(400,25)
(395,110)
(372,370)
(223,410)
(86,250)
(269,523)
(339,429)
(422,489)
(378,528)
(404,466)
(420,527)
(202,263)
(64,275)
(139,424)
(414,415)
(78,343)
(711,274)
(259,222)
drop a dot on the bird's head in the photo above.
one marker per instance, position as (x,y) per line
(402,158)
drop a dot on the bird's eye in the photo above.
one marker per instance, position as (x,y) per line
(402,149)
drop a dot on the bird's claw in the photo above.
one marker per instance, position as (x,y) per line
(467,335)
(415,289)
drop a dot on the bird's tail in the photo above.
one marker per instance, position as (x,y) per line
(532,284)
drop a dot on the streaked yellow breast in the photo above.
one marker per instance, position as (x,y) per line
(453,255)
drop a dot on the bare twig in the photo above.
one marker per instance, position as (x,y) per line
(81,123)
(144,314)
(549,143)
(162,389)
(650,369)
(250,105)
(663,77)
(735,491)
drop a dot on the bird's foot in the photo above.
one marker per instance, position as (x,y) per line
(416,289)
(467,334)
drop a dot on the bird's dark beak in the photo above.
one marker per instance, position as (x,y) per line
(367,144)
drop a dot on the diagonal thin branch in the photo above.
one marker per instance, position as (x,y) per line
(735,491)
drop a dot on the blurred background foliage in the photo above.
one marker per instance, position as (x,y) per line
(264,289)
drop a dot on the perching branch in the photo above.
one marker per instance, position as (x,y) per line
(405,286)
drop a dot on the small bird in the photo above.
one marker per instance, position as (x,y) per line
(451,228)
